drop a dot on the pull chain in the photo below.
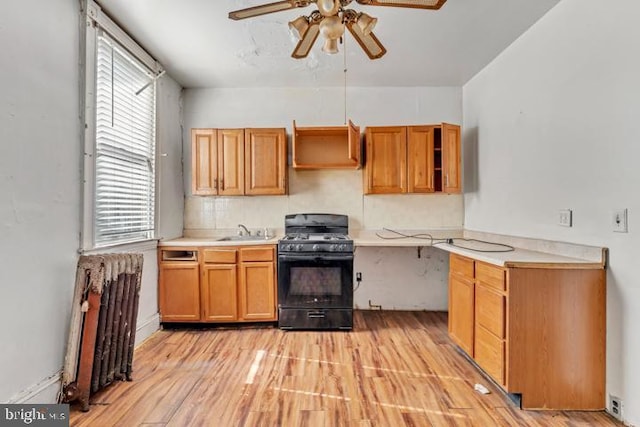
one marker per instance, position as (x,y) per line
(344,52)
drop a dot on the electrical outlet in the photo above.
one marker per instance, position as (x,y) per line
(358,277)
(619,220)
(615,407)
(565,217)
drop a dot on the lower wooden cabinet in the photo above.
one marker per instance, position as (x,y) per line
(224,284)
(537,332)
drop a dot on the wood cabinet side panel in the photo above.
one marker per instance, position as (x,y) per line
(556,333)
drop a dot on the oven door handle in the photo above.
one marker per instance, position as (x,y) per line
(287,257)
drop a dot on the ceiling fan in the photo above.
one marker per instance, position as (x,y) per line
(330,20)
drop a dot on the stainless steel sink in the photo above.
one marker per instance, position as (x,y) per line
(244,238)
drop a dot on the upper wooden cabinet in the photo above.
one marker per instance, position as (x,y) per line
(231,147)
(412,159)
(386,169)
(265,161)
(204,162)
(232,162)
(335,147)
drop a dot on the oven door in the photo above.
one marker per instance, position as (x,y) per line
(315,281)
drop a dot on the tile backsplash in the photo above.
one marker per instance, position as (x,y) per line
(325,191)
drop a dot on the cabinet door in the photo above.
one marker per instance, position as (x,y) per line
(219,293)
(204,162)
(451,176)
(257,291)
(420,155)
(265,161)
(179,291)
(461,300)
(230,162)
(386,169)
(354,142)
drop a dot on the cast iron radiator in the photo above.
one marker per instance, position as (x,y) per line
(103,325)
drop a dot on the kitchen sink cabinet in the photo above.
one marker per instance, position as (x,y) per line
(232,162)
(178,285)
(537,332)
(219,284)
(412,159)
(219,287)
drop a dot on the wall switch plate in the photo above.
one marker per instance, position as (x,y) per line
(619,221)
(565,217)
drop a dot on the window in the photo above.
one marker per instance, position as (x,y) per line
(124,198)
(119,115)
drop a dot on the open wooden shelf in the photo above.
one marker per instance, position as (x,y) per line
(327,147)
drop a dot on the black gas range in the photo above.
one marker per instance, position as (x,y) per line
(315,273)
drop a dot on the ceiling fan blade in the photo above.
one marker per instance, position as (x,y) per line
(418,4)
(369,43)
(306,43)
(278,6)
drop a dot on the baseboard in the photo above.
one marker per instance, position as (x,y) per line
(147,327)
(45,391)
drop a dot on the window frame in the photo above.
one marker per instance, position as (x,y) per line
(93,21)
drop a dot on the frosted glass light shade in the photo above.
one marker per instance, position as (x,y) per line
(366,23)
(330,46)
(332,27)
(299,26)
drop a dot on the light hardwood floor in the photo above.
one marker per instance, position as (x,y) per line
(393,369)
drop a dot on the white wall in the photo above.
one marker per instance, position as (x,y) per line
(336,191)
(40,187)
(553,123)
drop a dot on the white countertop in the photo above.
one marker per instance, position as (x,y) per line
(517,258)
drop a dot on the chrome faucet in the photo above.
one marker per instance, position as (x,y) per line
(241,227)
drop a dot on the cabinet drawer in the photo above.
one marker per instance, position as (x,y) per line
(489,353)
(461,265)
(256,254)
(490,310)
(490,275)
(220,256)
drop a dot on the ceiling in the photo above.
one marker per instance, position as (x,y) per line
(200,47)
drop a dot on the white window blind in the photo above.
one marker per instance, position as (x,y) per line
(125,146)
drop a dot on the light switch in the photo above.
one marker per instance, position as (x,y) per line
(565,217)
(619,220)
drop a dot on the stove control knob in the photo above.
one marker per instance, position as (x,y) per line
(333,248)
(341,247)
(316,247)
(299,247)
(290,247)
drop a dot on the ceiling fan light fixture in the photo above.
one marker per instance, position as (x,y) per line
(299,26)
(328,7)
(330,46)
(366,23)
(331,27)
